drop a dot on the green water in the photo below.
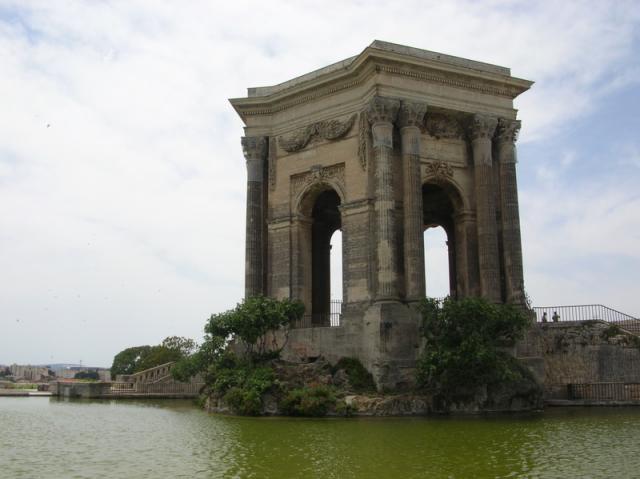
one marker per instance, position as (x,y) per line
(50,438)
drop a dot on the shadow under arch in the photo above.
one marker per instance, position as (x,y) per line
(441,205)
(318,207)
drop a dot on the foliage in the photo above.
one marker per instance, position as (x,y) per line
(128,360)
(611,331)
(157,355)
(251,320)
(139,358)
(183,346)
(250,323)
(240,382)
(463,341)
(87,375)
(314,401)
(360,379)
(5,372)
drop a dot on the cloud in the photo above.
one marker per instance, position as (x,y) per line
(121,176)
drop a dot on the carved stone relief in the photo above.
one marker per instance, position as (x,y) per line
(364,140)
(437,170)
(327,130)
(441,125)
(272,159)
(317,175)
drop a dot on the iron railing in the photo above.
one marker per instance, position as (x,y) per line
(587,312)
(604,391)
(322,320)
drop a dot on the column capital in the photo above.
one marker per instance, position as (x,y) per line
(411,114)
(382,110)
(507,130)
(482,127)
(254,147)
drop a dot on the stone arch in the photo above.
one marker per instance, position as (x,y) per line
(317,208)
(442,204)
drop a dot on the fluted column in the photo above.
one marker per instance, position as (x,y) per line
(381,113)
(255,150)
(482,129)
(410,117)
(511,242)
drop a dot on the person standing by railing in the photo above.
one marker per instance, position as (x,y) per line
(555,317)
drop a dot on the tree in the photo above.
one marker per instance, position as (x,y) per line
(128,360)
(252,323)
(139,358)
(464,344)
(184,346)
(87,375)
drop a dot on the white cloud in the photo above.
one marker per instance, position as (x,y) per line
(134,192)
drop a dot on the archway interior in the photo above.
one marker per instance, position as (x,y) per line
(336,266)
(436,260)
(438,219)
(326,221)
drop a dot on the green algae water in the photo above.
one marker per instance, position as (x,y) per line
(51,438)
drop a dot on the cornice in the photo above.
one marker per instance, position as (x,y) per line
(370,62)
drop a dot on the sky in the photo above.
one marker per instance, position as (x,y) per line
(122,180)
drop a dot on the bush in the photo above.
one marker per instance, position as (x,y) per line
(463,341)
(308,401)
(360,379)
(246,402)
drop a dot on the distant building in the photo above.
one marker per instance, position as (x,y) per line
(29,373)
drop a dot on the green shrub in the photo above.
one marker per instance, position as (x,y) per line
(360,379)
(313,401)
(244,401)
(464,343)
(611,331)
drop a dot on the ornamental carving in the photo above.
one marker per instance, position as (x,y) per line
(382,110)
(272,159)
(441,125)
(482,127)
(327,130)
(364,140)
(438,170)
(254,147)
(507,130)
(411,114)
(317,175)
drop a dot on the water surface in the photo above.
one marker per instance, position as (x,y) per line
(47,437)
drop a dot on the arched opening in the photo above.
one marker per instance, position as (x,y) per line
(326,220)
(440,260)
(336,266)
(436,262)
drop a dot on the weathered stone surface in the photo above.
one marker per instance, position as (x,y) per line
(418,115)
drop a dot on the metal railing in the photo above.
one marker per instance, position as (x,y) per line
(156,389)
(587,312)
(322,320)
(605,391)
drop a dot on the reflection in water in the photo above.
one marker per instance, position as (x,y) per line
(137,439)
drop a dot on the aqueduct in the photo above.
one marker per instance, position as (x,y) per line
(381,146)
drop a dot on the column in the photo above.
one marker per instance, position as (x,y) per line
(511,242)
(381,113)
(410,117)
(255,150)
(482,129)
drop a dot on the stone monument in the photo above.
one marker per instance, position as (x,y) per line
(381,145)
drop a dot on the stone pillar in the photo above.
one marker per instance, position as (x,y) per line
(255,150)
(511,242)
(410,117)
(381,113)
(482,129)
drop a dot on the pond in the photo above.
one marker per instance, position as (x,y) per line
(48,437)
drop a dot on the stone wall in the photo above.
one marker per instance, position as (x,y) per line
(583,353)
